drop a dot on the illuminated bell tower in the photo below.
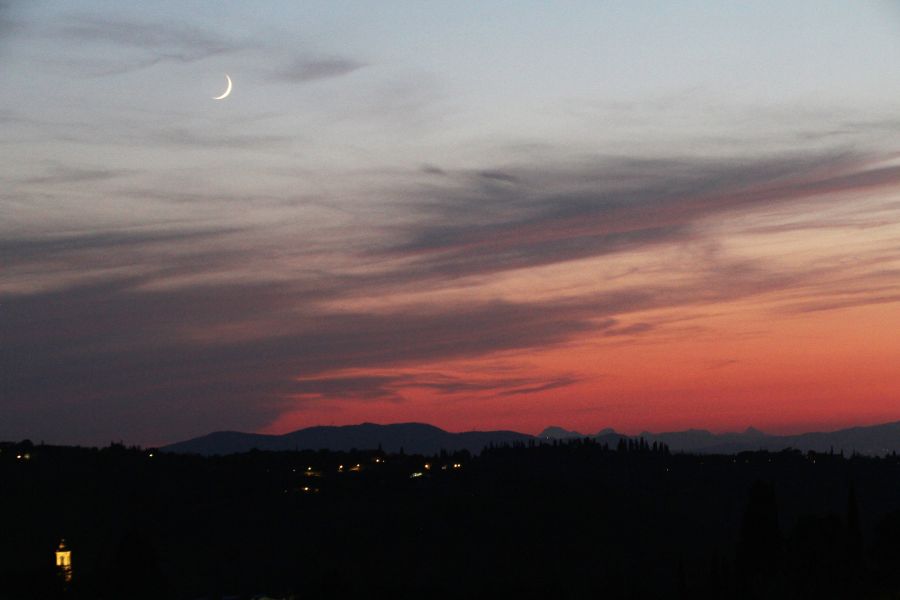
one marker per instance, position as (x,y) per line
(64,561)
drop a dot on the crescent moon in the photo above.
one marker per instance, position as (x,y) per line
(227,91)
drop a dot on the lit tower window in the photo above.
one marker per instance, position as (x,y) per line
(64,560)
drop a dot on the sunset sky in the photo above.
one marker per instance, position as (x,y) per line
(480,215)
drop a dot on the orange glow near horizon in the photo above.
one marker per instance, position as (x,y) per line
(825,371)
(776,360)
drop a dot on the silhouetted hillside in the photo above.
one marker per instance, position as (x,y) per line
(872,440)
(558,433)
(414,438)
(427,439)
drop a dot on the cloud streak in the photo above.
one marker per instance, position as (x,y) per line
(238,353)
(393,387)
(309,69)
(160,41)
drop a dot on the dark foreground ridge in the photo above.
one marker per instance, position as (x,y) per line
(420,438)
(575,519)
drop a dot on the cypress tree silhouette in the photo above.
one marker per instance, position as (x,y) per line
(854,551)
(759,553)
(818,564)
(716,579)
(682,587)
(854,532)
(135,572)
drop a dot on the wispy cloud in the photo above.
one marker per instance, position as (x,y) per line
(241,350)
(64,175)
(160,41)
(853,301)
(6,21)
(304,70)
(169,42)
(633,329)
(18,250)
(553,384)
(393,387)
(541,216)
(214,139)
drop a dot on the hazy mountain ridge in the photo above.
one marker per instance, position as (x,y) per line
(421,438)
(414,438)
(558,433)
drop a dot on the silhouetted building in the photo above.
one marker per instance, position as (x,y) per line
(64,560)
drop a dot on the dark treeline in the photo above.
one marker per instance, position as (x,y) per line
(562,520)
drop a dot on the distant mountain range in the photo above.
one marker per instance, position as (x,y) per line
(874,440)
(420,438)
(412,438)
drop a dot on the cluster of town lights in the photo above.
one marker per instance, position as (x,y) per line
(358,467)
(427,467)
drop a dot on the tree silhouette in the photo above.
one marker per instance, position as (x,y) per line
(135,571)
(759,552)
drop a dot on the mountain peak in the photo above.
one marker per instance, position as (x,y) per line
(558,433)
